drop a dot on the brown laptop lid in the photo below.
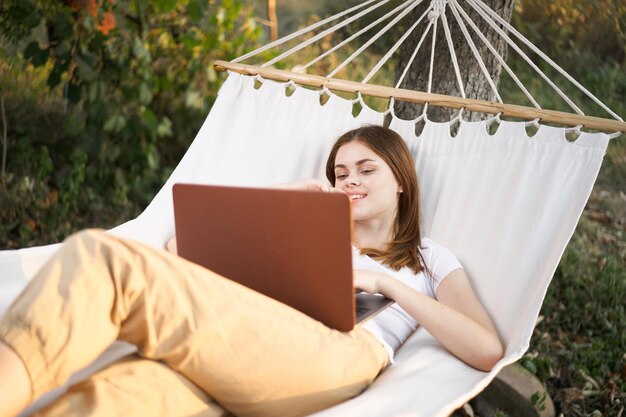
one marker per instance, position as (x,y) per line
(293,246)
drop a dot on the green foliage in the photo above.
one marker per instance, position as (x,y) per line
(538,400)
(131,83)
(578,346)
(575,26)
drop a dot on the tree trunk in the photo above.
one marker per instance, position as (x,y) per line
(444,79)
(273,18)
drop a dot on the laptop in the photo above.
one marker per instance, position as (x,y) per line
(293,246)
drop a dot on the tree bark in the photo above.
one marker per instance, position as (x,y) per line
(444,78)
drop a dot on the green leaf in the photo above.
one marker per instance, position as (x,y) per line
(140,51)
(530,365)
(164,6)
(165,84)
(149,119)
(145,93)
(193,99)
(73,126)
(62,26)
(63,49)
(37,56)
(190,40)
(194,11)
(85,70)
(74,92)
(44,164)
(165,128)
(55,75)
(92,92)
(115,123)
(152,157)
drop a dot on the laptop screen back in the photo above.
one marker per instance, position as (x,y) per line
(293,246)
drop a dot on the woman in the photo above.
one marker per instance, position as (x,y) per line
(251,354)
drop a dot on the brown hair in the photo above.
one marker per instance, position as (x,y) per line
(404,249)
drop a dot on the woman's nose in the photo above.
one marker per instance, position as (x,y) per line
(353,180)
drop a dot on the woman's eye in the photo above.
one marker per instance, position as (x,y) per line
(341,176)
(367,171)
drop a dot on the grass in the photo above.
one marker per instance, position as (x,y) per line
(579,345)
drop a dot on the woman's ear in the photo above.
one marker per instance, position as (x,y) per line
(400,190)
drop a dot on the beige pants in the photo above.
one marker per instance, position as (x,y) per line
(252,354)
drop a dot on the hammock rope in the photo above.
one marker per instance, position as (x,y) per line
(546,58)
(300,32)
(417,48)
(455,62)
(374,38)
(513,45)
(357,34)
(393,49)
(501,60)
(476,54)
(436,14)
(429,88)
(322,34)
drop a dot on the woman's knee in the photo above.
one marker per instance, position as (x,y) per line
(89,242)
(86,235)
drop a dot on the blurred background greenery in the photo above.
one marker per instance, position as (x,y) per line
(100,99)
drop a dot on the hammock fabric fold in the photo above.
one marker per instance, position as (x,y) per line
(506,204)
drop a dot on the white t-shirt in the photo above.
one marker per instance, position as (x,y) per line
(393,325)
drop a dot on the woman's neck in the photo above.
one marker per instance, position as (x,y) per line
(372,234)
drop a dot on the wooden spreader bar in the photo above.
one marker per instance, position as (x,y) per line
(522,112)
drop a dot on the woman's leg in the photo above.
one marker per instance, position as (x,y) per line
(252,354)
(15,387)
(134,387)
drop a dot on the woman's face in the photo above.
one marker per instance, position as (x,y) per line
(369,182)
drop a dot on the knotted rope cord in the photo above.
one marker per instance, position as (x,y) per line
(455,62)
(546,58)
(373,39)
(501,27)
(433,16)
(392,101)
(360,32)
(322,34)
(476,54)
(393,49)
(419,44)
(455,10)
(301,32)
(526,58)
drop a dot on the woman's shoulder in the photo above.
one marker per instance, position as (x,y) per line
(428,244)
(439,259)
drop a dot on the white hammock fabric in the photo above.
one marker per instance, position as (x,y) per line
(506,204)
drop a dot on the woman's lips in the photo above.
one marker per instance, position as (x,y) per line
(357,197)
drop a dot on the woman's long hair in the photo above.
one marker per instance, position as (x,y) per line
(404,249)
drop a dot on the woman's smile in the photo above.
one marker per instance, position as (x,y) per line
(355,197)
(369,182)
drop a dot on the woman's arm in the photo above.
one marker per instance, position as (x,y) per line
(456,319)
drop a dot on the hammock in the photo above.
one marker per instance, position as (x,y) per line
(505,203)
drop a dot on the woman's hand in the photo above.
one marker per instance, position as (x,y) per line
(369,281)
(171,246)
(310,184)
